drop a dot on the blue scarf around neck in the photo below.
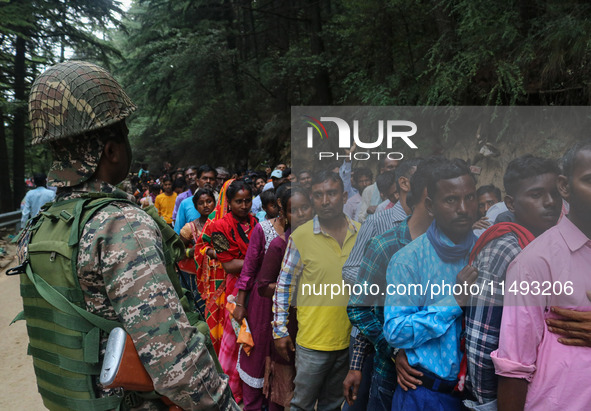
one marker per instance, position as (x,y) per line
(450,253)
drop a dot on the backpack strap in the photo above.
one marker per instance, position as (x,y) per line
(55,298)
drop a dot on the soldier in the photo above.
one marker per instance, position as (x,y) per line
(110,260)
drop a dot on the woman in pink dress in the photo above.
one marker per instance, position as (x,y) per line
(279,373)
(257,310)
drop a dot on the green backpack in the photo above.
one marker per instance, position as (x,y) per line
(64,338)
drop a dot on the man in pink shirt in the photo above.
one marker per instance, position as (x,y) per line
(538,369)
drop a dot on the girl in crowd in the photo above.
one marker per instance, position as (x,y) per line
(270,209)
(279,374)
(209,274)
(230,235)
(256,309)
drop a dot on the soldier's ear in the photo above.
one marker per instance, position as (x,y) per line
(114,152)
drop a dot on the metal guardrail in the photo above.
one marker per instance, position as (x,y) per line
(10,219)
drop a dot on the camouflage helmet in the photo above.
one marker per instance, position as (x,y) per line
(74,98)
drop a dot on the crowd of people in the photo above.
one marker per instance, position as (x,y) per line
(319,289)
(256,240)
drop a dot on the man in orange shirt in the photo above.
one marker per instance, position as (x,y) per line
(165,201)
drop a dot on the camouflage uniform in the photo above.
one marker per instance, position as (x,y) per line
(122,274)
(121,271)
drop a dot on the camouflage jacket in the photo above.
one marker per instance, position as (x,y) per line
(122,274)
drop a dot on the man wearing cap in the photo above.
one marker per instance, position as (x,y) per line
(117,256)
(277,178)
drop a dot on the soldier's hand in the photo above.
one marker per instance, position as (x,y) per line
(465,278)
(284,346)
(406,375)
(351,386)
(239,313)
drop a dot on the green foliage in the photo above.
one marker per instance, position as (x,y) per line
(215,79)
(34,34)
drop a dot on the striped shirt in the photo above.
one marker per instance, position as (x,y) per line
(376,224)
(367,312)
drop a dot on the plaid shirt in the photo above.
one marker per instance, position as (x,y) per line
(375,224)
(366,312)
(291,270)
(483,315)
(361,349)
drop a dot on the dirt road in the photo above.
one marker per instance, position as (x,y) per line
(18,390)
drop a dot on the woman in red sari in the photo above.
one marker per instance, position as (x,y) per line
(230,236)
(209,274)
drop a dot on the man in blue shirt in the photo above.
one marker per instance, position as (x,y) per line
(191,180)
(34,199)
(418,318)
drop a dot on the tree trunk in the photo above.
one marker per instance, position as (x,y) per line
(321,81)
(5,190)
(281,38)
(445,27)
(232,46)
(528,10)
(253,34)
(384,57)
(19,124)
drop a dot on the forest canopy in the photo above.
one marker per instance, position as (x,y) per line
(214,80)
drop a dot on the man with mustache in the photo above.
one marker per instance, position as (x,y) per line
(315,255)
(429,326)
